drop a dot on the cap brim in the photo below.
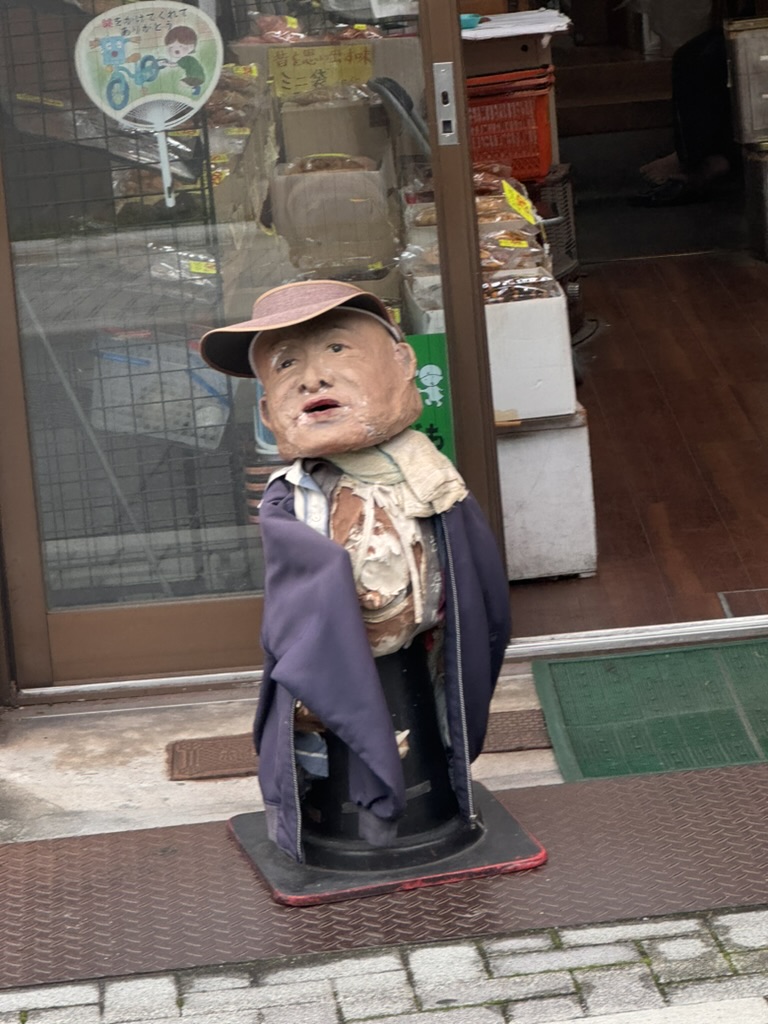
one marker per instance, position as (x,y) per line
(226,348)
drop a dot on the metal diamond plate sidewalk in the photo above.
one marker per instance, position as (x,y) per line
(172,899)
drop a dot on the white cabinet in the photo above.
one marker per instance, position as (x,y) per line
(547,498)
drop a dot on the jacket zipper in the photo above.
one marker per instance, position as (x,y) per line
(295,776)
(459,670)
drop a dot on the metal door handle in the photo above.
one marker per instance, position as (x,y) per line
(445,103)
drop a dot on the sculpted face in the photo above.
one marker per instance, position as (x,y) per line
(335,384)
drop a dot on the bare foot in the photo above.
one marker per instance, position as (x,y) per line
(661,170)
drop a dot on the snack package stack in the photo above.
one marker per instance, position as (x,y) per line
(242,143)
(514,255)
(284,29)
(275,28)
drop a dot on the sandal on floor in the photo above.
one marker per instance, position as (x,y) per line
(672,193)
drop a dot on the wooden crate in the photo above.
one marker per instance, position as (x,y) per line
(498,6)
(483,7)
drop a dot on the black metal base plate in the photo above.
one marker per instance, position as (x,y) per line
(503,847)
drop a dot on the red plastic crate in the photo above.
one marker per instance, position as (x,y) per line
(509,121)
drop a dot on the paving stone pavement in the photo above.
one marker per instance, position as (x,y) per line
(707,968)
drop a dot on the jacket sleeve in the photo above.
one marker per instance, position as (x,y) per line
(318,651)
(478,622)
(494,584)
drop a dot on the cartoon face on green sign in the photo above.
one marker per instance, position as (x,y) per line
(436,419)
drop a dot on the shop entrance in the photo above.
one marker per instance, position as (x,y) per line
(672,361)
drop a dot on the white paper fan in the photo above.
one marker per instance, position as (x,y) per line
(151,66)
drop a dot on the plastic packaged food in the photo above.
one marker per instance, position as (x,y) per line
(509,249)
(358,31)
(494,209)
(511,287)
(490,210)
(487,179)
(329,162)
(235,100)
(427,292)
(416,260)
(168,263)
(277,28)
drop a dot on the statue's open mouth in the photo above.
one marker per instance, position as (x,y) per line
(321,405)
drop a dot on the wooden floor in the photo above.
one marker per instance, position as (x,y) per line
(675,383)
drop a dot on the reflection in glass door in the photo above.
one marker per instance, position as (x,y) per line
(302,163)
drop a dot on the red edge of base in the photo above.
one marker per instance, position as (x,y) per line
(487,871)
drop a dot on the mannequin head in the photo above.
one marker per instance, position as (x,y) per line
(336,373)
(336,383)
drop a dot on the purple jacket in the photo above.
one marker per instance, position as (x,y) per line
(317,652)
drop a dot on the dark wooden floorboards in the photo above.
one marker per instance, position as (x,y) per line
(675,383)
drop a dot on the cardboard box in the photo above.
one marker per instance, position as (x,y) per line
(547,498)
(424,238)
(336,219)
(386,284)
(333,258)
(529,348)
(356,128)
(231,202)
(249,264)
(420,316)
(495,56)
(241,193)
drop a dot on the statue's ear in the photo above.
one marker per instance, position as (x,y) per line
(407,358)
(264,413)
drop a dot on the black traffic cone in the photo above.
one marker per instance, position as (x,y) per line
(349,853)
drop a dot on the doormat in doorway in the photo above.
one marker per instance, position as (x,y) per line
(212,757)
(699,707)
(225,757)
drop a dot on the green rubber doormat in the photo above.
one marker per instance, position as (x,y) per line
(698,707)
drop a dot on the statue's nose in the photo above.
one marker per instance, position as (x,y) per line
(315,376)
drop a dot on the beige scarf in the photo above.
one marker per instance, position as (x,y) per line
(425,481)
(380,511)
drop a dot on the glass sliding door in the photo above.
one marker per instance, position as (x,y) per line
(152,192)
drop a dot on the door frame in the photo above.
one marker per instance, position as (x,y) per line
(467,343)
(21,542)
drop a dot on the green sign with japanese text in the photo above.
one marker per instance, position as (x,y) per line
(433,381)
